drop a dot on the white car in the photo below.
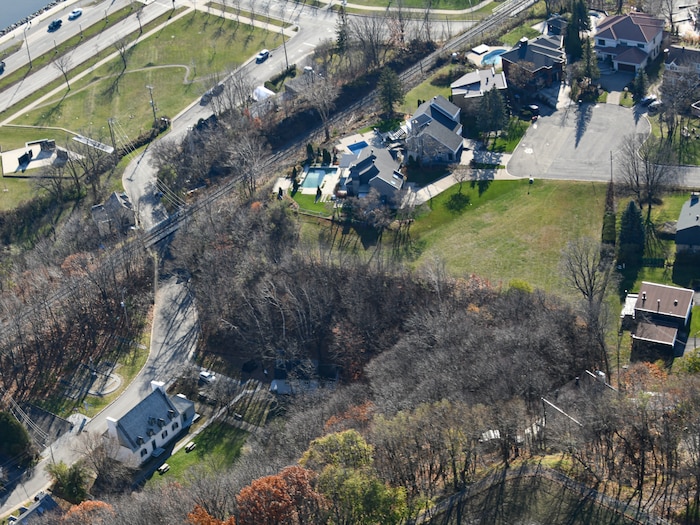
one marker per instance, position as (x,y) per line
(206,377)
(262,56)
(75,13)
(163,468)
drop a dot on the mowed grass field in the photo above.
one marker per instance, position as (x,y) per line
(513,230)
(175,62)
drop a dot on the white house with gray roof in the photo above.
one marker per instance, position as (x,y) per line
(631,41)
(151,425)
(372,169)
(434,133)
(468,89)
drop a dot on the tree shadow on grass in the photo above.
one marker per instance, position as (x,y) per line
(457,203)
(583,118)
(53,114)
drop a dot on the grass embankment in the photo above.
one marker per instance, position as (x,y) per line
(173,61)
(258,17)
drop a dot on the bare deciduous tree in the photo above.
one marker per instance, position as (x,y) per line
(63,64)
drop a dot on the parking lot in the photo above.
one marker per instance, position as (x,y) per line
(575,143)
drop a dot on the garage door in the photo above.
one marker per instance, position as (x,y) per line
(626,67)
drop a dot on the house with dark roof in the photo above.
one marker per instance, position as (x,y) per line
(543,58)
(556,25)
(681,59)
(468,89)
(43,504)
(688,226)
(631,41)
(116,215)
(372,169)
(150,426)
(434,133)
(660,312)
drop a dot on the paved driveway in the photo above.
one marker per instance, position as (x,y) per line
(575,143)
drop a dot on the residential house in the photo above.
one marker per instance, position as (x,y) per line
(434,133)
(631,41)
(688,226)
(116,215)
(150,426)
(680,61)
(556,25)
(43,504)
(372,169)
(542,59)
(468,89)
(660,312)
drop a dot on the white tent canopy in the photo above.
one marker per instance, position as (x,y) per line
(262,93)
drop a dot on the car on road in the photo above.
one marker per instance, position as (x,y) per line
(262,56)
(2,67)
(55,25)
(75,13)
(163,468)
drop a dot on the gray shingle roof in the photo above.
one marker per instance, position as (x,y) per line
(477,82)
(688,225)
(631,55)
(683,56)
(444,136)
(543,52)
(440,109)
(145,416)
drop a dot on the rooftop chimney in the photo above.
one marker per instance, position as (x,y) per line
(644,296)
(523,42)
(675,302)
(658,304)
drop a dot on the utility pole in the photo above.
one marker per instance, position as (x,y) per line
(284,44)
(26,43)
(153,106)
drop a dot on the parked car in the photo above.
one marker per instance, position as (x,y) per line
(190,446)
(647,100)
(655,106)
(2,67)
(55,24)
(206,377)
(262,56)
(163,468)
(75,13)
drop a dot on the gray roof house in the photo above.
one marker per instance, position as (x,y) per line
(434,133)
(468,89)
(543,57)
(147,428)
(371,169)
(631,41)
(43,503)
(688,226)
(556,25)
(116,215)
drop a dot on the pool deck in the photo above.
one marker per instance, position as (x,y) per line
(476,59)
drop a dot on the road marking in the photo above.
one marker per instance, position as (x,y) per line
(310,45)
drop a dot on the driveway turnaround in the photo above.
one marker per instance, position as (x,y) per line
(574,143)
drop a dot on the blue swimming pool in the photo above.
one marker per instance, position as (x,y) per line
(357,147)
(493,58)
(314,176)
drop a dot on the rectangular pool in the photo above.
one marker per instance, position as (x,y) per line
(314,176)
(357,147)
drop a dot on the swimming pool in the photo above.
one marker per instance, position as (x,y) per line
(314,176)
(357,147)
(493,57)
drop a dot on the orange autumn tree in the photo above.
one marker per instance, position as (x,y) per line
(286,498)
(89,513)
(199,516)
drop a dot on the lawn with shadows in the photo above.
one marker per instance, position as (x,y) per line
(173,61)
(218,447)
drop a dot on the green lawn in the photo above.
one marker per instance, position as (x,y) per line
(173,61)
(308,203)
(513,37)
(217,6)
(436,84)
(512,230)
(218,447)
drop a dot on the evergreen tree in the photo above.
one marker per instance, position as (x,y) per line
(590,61)
(631,235)
(640,85)
(341,32)
(492,114)
(390,90)
(579,22)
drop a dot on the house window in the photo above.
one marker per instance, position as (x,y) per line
(449,156)
(641,46)
(601,41)
(144,452)
(175,425)
(164,434)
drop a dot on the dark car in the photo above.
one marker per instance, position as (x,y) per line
(55,24)
(2,67)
